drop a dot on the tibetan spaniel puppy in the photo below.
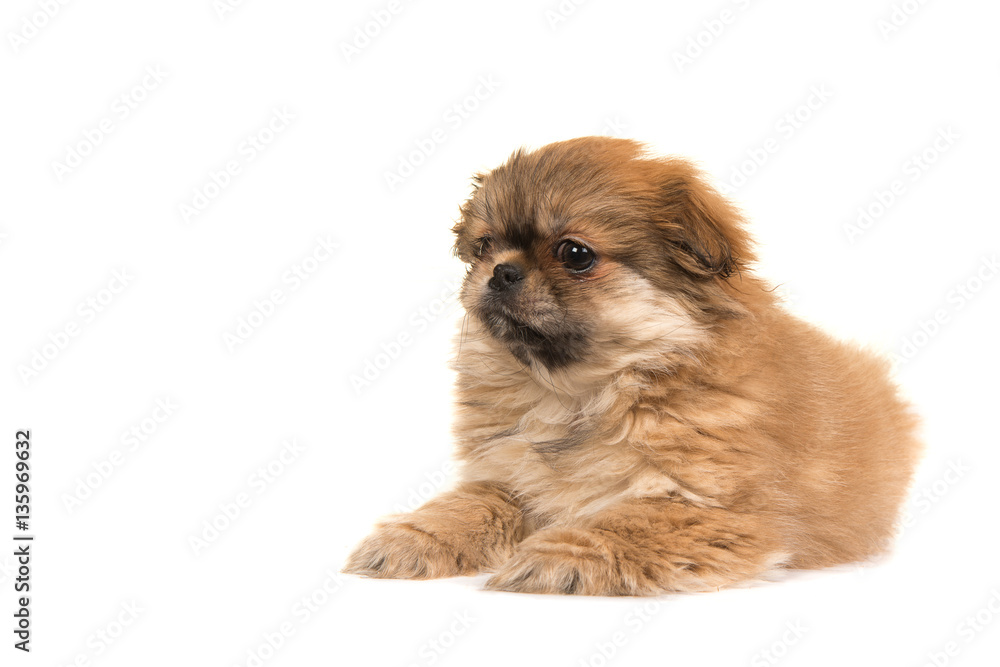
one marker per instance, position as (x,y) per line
(636,413)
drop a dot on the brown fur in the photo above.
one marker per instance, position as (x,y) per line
(656,423)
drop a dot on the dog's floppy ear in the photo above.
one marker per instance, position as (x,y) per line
(700,223)
(464,247)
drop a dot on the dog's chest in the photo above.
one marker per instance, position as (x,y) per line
(563,465)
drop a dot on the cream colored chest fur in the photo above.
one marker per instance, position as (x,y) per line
(564,467)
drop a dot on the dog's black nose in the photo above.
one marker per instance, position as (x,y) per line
(505,277)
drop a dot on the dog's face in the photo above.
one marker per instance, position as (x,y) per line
(590,253)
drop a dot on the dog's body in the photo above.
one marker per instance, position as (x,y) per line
(636,413)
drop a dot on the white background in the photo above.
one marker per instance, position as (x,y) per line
(879,97)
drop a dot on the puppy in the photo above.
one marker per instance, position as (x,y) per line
(636,414)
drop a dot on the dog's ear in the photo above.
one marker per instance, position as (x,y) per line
(464,248)
(706,230)
(465,245)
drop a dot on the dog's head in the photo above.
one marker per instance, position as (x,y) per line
(591,251)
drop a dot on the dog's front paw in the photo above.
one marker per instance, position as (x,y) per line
(402,550)
(568,561)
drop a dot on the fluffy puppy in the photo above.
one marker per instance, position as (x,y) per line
(636,414)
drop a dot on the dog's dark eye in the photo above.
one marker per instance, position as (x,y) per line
(483,245)
(575,257)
